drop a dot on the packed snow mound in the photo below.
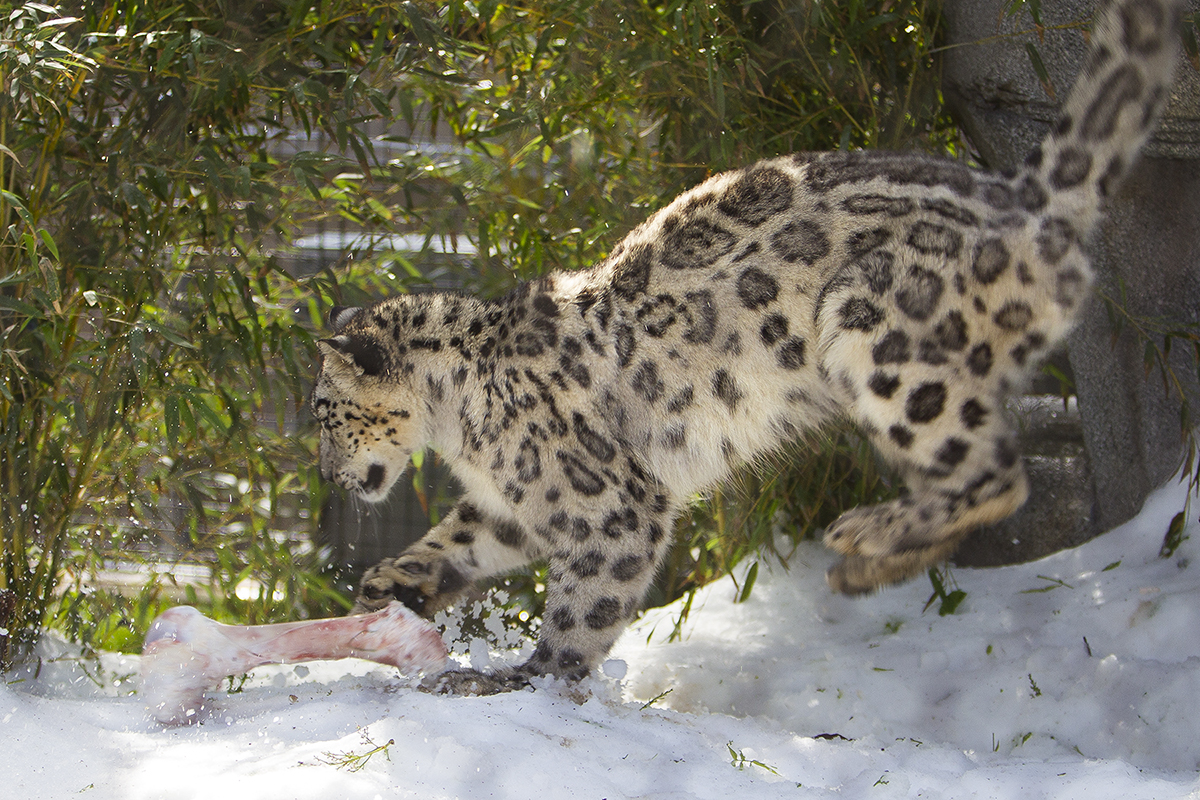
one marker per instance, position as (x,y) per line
(1093,651)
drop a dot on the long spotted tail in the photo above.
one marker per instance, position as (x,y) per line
(1110,112)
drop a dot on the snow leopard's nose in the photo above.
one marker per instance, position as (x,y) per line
(374,479)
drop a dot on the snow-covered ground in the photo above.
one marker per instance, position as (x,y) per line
(1074,676)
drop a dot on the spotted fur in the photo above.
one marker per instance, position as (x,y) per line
(906,293)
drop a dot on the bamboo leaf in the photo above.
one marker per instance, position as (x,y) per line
(1174,536)
(1039,69)
(79,417)
(171,421)
(748,583)
(20,307)
(48,240)
(1035,11)
(5,151)
(422,30)
(168,334)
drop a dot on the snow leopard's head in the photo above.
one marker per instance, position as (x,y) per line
(369,415)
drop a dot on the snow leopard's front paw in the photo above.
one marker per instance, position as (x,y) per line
(424,585)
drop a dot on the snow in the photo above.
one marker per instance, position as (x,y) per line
(1067,677)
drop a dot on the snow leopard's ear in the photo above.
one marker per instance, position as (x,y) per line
(361,353)
(340,316)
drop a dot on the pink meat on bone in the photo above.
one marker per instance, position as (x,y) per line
(186,653)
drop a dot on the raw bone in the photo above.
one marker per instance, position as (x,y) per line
(186,653)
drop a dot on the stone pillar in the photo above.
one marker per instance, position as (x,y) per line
(1146,254)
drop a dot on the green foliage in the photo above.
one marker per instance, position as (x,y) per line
(578,119)
(948,599)
(738,759)
(1174,536)
(153,352)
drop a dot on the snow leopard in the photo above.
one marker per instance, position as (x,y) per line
(901,293)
